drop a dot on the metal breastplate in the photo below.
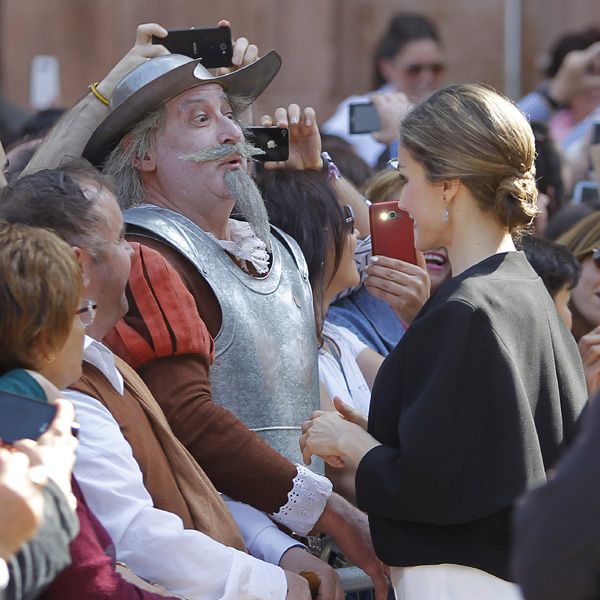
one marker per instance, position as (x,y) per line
(265,369)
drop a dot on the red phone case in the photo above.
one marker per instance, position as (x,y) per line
(392,232)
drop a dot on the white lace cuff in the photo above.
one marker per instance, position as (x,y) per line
(306,501)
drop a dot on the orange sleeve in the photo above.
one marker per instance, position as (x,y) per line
(163,309)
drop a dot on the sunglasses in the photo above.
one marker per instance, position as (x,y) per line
(416,69)
(348,218)
(87,313)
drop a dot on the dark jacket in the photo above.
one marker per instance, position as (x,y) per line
(476,402)
(47,554)
(557,527)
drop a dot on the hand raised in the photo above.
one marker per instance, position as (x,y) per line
(404,286)
(244,53)
(305,139)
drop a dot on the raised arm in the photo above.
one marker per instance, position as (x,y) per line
(70,135)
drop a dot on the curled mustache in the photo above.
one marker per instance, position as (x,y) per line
(216,152)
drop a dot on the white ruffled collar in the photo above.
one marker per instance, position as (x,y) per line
(245,244)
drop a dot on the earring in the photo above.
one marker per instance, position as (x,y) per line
(445,213)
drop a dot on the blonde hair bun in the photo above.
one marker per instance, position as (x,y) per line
(515,203)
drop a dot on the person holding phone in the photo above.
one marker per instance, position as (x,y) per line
(484,391)
(41,344)
(409,58)
(380,309)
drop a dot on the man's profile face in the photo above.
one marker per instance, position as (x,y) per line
(105,280)
(202,117)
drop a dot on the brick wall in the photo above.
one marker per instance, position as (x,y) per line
(326,44)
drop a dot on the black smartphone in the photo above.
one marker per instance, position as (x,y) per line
(212,46)
(596,134)
(23,417)
(363,118)
(273,140)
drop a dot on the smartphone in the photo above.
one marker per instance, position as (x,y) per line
(586,191)
(212,46)
(596,133)
(274,141)
(363,118)
(392,232)
(23,417)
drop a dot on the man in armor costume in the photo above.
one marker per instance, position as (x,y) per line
(174,146)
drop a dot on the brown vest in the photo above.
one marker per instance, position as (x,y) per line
(173,478)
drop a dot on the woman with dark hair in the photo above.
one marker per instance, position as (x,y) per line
(409,59)
(304,205)
(483,392)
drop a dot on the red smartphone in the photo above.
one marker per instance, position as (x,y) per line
(392,232)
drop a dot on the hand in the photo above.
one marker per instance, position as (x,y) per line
(128,575)
(350,529)
(579,72)
(404,286)
(142,50)
(21,500)
(349,414)
(297,559)
(321,435)
(391,108)
(589,348)
(305,139)
(244,52)
(297,587)
(55,449)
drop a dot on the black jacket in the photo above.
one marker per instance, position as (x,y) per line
(476,402)
(557,527)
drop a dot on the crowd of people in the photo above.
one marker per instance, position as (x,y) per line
(244,395)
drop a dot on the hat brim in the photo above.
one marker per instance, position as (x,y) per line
(247,83)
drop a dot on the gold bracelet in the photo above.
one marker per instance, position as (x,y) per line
(94,89)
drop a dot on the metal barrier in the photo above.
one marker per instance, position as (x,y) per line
(355,580)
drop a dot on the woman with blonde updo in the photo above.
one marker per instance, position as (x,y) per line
(483,392)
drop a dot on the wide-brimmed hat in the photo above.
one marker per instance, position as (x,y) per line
(159,79)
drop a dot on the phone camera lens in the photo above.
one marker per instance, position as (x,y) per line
(392,215)
(223,47)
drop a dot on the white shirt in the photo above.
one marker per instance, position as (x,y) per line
(153,542)
(4,576)
(353,390)
(363,143)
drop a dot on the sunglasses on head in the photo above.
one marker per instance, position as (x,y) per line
(416,69)
(348,218)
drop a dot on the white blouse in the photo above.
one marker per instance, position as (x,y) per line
(345,380)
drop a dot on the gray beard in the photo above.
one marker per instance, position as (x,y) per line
(243,190)
(249,203)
